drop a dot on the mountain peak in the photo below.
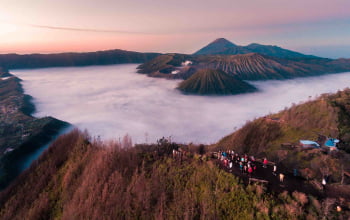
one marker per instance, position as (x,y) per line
(254,44)
(222,41)
(218,45)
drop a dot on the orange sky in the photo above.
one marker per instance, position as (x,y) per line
(170,26)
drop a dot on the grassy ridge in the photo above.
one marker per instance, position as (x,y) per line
(82,179)
(326,116)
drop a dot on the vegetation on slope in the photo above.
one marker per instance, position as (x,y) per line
(214,82)
(78,178)
(20,133)
(341,102)
(327,116)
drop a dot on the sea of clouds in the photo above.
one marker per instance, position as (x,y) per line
(111,101)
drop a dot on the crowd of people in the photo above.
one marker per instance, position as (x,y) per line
(247,164)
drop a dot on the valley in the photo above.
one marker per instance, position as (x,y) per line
(144,121)
(174,110)
(103,99)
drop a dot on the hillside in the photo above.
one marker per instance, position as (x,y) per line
(78,178)
(225,47)
(275,51)
(214,82)
(16,61)
(164,64)
(216,47)
(20,133)
(255,66)
(250,66)
(277,137)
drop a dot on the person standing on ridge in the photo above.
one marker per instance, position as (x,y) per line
(250,171)
(274,170)
(295,172)
(265,162)
(281,177)
(324,183)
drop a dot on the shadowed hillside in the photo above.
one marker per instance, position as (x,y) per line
(20,133)
(214,82)
(4,73)
(78,178)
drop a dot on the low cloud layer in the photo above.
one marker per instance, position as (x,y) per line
(111,101)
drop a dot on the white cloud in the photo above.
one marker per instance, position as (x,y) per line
(111,101)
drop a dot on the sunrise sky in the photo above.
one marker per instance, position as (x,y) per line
(320,27)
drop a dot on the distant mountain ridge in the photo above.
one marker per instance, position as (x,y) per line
(106,57)
(225,47)
(252,66)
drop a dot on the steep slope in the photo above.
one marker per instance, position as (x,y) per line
(327,116)
(20,133)
(80,179)
(254,66)
(216,47)
(214,82)
(16,61)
